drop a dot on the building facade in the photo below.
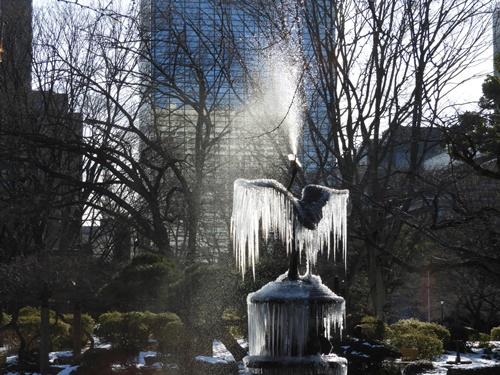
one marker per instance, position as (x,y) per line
(226,93)
(39,212)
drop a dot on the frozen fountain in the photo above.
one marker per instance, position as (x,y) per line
(290,319)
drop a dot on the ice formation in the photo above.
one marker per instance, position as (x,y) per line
(308,223)
(284,312)
(287,317)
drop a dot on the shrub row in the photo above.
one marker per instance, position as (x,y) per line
(60,332)
(428,338)
(495,334)
(133,331)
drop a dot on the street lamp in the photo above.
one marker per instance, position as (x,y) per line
(442,314)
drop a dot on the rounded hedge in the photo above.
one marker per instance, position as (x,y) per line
(374,328)
(495,334)
(29,320)
(428,338)
(133,331)
(429,347)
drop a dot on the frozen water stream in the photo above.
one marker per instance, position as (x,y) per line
(266,205)
(290,319)
(283,314)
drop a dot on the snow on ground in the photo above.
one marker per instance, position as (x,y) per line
(220,354)
(53,356)
(478,358)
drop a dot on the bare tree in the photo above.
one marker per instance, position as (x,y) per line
(377,77)
(384,71)
(151,174)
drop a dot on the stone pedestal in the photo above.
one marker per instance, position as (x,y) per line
(289,322)
(309,365)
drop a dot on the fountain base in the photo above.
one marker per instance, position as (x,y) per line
(289,325)
(307,365)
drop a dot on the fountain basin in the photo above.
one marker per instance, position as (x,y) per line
(309,365)
(289,323)
(306,288)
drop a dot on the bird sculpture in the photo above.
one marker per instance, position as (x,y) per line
(308,209)
(304,224)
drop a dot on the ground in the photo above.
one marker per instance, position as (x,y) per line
(478,358)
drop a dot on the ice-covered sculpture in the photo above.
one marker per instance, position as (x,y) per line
(287,318)
(305,225)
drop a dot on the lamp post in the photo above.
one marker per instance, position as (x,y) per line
(442,312)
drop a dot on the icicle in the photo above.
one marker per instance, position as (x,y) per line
(267,205)
(283,312)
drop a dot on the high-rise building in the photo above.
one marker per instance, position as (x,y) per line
(496,37)
(37,210)
(196,84)
(15,43)
(221,93)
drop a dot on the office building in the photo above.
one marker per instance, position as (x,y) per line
(217,80)
(39,212)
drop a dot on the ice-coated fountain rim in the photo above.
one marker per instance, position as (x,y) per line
(307,290)
(330,360)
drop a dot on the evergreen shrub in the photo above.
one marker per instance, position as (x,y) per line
(29,325)
(168,331)
(5,319)
(88,324)
(4,334)
(144,283)
(484,340)
(495,334)
(124,330)
(132,331)
(429,347)
(374,328)
(428,338)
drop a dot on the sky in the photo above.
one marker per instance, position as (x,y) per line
(468,93)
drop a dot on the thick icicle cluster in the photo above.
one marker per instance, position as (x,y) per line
(267,205)
(284,312)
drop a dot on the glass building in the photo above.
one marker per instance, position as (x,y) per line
(227,82)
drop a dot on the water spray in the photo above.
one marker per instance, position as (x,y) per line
(295,166)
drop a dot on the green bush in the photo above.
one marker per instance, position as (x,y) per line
(410,325)
(144,283)
(88,325)
(124,330)
(5,319)
(428,338)
(60,330)
(429,346)
(132,331)
(29,326)
(374,328)
(495,334)
(484,340)
(168,331)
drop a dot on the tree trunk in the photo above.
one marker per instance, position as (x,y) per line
(44,338)
(77,331)
(376,279)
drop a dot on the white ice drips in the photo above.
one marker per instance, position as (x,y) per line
(283,313)
(277,330)
(267,205)
(333,222)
